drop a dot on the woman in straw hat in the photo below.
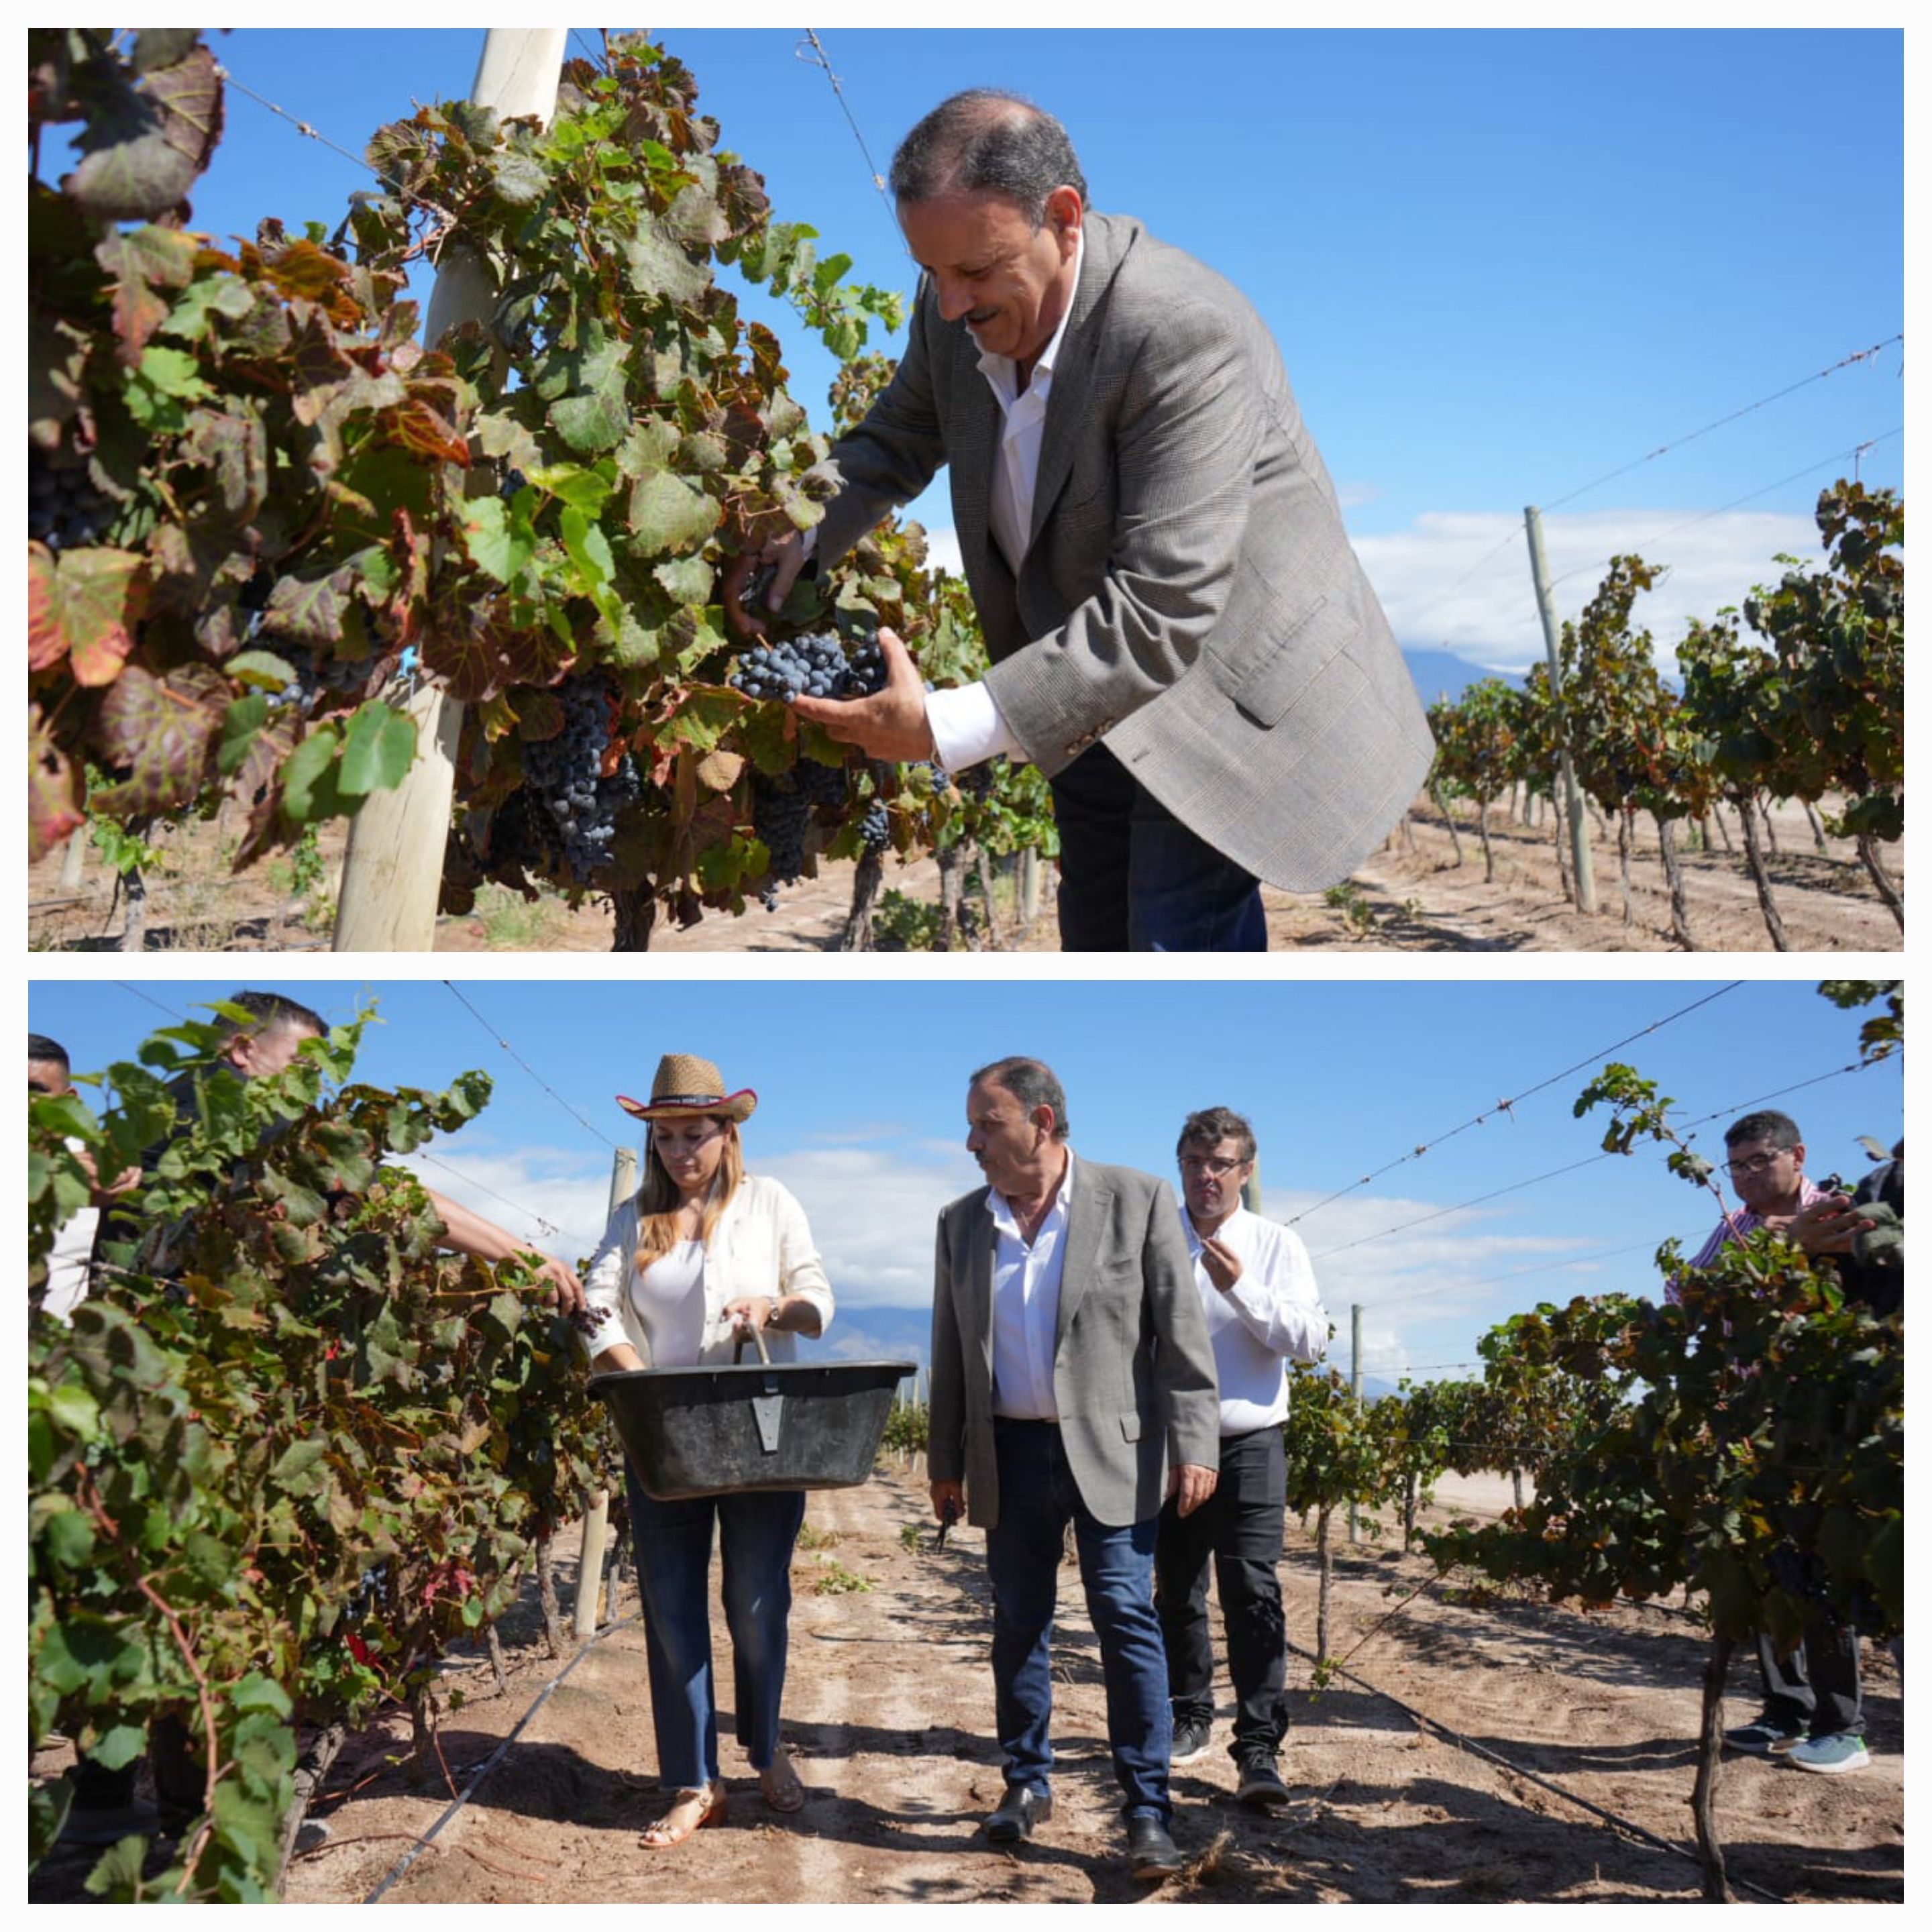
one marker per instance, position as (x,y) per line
(703,1255)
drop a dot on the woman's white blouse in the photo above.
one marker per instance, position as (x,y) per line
(762,1245)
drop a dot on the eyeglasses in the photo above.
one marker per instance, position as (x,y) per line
(1759,1163)
(1207,1163)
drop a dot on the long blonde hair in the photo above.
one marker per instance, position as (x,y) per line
(659,1198)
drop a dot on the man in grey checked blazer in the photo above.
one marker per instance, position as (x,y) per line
(1072,1383)
(1183,639)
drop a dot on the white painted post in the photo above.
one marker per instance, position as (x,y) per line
(392,874)
(597,1519)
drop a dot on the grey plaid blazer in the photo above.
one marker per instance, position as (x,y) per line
(1190,595)
(1133,1368)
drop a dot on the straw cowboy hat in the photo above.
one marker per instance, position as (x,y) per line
(687,1088)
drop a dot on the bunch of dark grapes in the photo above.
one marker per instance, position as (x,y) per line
(815,666)
(65,511)
(875,829)
(823,784)
(566,773)
(780,811)
(315,676)
(976,780)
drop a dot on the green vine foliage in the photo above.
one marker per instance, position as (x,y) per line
(286,1453)
(1758,1454)
(293,496)
(1837,640)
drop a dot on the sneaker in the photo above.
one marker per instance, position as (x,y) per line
(1764,1736)
(1838,1750)
(1190,1741)
(1261,1788)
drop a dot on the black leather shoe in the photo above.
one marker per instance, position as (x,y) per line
(1020,1811)
(1151,1853)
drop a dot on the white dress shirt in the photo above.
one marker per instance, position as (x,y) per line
(1026,1305)
(1274,1312)
(966,724)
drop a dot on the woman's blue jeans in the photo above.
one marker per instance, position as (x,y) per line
(756,1533)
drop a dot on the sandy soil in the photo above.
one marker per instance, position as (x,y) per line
(888,1711)
(1411,896)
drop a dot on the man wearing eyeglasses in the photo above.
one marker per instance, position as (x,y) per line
(1258,1292)
(1814,1716)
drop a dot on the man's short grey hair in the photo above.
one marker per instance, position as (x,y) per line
(1032,1083)
(1780,1129)
(985,141)
(1213,1125)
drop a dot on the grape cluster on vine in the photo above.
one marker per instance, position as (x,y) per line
(315,676)
(813,666)
(780,811)
(566,774)
(64,510)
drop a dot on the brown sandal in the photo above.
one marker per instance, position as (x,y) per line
(780,1783)
(689,1811)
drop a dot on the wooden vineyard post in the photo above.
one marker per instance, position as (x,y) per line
(597,1518)
(392,876)
(1545,604)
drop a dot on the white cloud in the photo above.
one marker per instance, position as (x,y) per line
(943,552)
(1426,1292)
(557,1199)
(1491,619)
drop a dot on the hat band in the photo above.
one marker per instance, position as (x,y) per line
(688,1100)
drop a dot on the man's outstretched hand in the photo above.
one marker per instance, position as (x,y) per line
(774,569)
(890,724)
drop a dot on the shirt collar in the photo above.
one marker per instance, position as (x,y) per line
(1194,1233)
(999,370)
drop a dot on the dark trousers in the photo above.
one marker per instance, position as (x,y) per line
(1134,879)
(1038,1498)
(1815,1688)
(1239,1526)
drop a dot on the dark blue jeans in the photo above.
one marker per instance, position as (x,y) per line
(1134,879)
(1038,1498)
(673,1544)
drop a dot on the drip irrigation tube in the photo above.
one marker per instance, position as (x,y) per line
(1475,1750)
(496,1758)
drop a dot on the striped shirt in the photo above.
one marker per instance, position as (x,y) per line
(1734,1228)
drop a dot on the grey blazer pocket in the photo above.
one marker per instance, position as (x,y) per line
(1269,689)
(1130,1427)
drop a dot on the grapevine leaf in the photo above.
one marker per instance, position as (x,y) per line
(54,810)
(141,263)
(309,611)
(240,723)
(84,608)
(308,778)
(142,158)
(158,731)
(378,748)
(668,515)
(688,579)
(657,266)
(582,489)
(520,182)
(498,541)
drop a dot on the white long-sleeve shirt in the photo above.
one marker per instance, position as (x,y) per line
(761,1245)
(1271,1315)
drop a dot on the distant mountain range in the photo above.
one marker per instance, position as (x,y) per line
(1443,674)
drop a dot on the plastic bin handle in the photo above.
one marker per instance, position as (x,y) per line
(738,1349)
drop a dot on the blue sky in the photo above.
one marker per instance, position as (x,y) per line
(861,1092)
(1501,264)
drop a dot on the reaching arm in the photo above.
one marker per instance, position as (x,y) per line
(468,1234)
